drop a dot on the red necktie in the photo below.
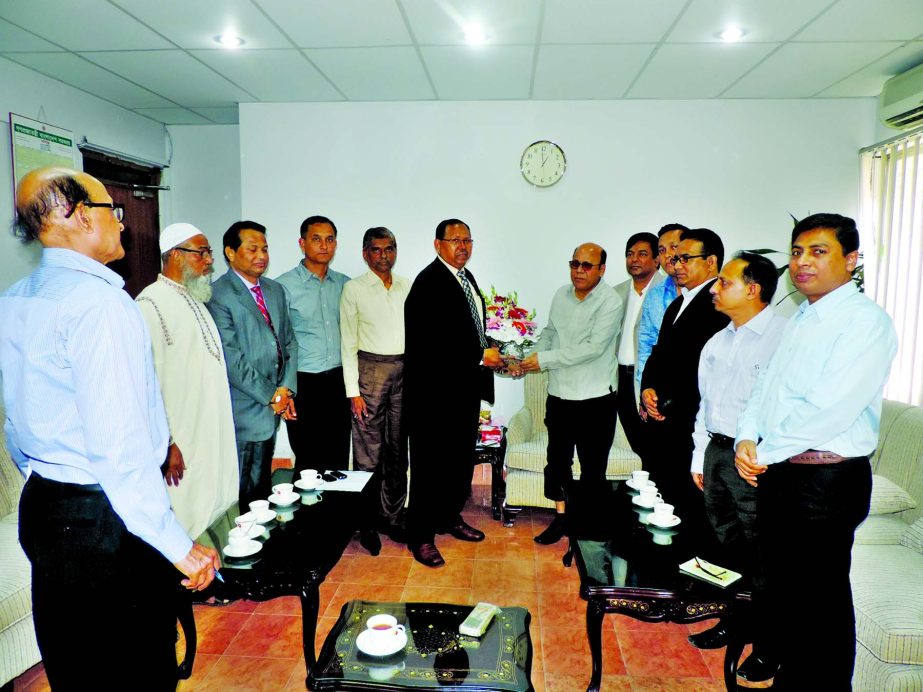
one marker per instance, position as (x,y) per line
(261,304)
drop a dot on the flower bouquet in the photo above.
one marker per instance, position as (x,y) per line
(510,328)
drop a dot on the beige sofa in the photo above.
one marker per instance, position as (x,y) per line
(18,649)
(527,442)
(887,568)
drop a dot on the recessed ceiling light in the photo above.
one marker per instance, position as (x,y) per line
(229,40)
(731,34)
(474,34)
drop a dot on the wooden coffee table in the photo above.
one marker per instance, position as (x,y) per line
(435,657)
(631,568)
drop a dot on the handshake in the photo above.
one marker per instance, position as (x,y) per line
(511,365)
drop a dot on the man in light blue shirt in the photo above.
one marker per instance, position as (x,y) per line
(804,442)
(85,416)
(659,298)
(314,291)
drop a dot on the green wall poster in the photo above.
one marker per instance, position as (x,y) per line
(36,144)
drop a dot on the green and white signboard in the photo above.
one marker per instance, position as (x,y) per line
(36,144)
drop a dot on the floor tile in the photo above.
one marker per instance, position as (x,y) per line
(508,597)
(567,651)
(202,666)
(386,571)
(454,549)
(456,573)
(502,574)
(661,654)
(272,636)
(246,673)
(552,553)
(365,592)
(667,684)
(283,605)
(625,622)
(216,628)
(437,594)
(554,576)
(562,609)
(505,548)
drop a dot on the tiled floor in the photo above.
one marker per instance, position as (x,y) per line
(256,646)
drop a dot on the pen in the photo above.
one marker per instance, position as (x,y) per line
(219,577)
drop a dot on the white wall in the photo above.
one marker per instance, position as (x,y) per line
(204,177)
(25,92)
(737,167)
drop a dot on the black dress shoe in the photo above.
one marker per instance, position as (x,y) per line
(396,533)
(368,539)
(554,532)
(428,554)
(713,638)
(757,670)
(466,532)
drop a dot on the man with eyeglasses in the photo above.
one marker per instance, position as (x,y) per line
(313,289)
(252,314)
(577,348)
(447,363)
(372,346)
(200,471)
(85,422)
(669,385)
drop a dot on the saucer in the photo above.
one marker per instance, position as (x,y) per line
(637,501)
(264,516)
(306,485)
(247,549)
(669,523)
(631,484)
(256,531)
(380,646)
(287,499)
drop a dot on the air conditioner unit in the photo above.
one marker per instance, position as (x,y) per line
(900,104)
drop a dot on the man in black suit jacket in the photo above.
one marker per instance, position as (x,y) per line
(669,385)
(445,379)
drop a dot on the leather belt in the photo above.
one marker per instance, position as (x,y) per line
(379,358)
(722,441)
(816,456)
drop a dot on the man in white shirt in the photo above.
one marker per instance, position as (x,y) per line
(577,347)
(804,442)
(728,367)
(372,347)
(641,262)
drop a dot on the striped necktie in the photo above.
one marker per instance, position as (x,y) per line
(261,304)
(475,315)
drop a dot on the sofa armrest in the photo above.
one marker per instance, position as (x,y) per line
(520,427)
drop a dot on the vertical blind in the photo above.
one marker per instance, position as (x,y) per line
(891,208)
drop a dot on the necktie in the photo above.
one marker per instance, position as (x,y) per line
(475,315)
(261,304)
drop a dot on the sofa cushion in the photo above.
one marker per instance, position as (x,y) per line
(15,577)
(913,536)
(884,529)
(887,582)
(888,497)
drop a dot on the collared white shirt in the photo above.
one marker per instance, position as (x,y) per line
(577,347)
(728,367)
(688,294)
(455,271)
(823,387)
(250,286)
(627,353)
(371,320)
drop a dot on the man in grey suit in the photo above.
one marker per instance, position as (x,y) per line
(641,263)
(252,316)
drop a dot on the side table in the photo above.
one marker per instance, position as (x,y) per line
(436,656)
(494,455)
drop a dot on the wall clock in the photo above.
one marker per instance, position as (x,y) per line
(542,163)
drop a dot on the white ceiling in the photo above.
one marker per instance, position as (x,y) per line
(159,59)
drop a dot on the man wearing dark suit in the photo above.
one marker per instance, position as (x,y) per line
(252,316)
(444,381)
(669,385)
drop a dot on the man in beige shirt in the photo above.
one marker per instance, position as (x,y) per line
(372,347)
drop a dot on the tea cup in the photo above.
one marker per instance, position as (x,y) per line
(259,505)
(640,477)
(663,512)
(384,625)
(282,489)
(238,537)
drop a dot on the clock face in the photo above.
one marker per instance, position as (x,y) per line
(542,163)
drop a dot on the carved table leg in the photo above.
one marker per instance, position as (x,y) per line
(594,626)
(732,654)
(310,604)
(510,514)
(497,485)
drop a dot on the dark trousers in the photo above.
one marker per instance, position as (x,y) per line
(320,436)
(628,409)
(101,597)
(442,443)
(254,461)
(730,504)
(379,443)
(587,426)
(807,516)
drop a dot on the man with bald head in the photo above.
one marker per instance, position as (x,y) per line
(200,470)
(86,422)
(577,348)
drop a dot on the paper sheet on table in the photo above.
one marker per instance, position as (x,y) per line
(353,483)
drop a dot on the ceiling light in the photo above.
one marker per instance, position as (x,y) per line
(474,34)
(229,40)
(731,34)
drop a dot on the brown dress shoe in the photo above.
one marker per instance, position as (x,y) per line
(428,554)
(466,532)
